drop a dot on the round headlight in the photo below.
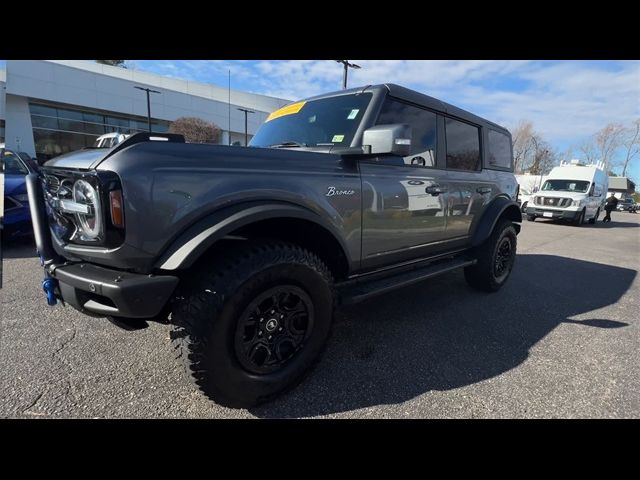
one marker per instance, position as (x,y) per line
(90,224)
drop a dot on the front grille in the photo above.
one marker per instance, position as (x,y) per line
(553,201)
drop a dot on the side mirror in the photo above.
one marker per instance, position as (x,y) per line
(385,139)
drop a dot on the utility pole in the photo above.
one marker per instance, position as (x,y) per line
(347,65)
(246,133)
(148,90)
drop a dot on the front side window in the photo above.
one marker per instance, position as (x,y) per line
(423,130)
(324,122)
(499,150)
(463,145)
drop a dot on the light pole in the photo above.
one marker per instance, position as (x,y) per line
(148,90)
(246,134)
(346,69)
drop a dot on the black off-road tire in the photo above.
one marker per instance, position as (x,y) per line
(209,307)
(482,275)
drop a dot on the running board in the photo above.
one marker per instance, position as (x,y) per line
(351,293)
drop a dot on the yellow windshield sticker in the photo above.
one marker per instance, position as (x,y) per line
(288,110)
(337,138)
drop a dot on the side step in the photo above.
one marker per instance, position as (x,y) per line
(354,292)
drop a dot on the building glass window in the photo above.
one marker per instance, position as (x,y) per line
(60,129)
(463,145)
(2,126)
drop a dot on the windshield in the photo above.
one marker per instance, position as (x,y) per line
(13,165)
(328,121)
(580,186)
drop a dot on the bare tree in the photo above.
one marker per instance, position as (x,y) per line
(113,63)
(523,145)
(608,141)
(196,130)
(589,150)
(631,143)
(544,156)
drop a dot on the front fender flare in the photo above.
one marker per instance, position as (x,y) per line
(194,241)
(499,207)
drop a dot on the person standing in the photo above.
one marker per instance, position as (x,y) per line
(612,203)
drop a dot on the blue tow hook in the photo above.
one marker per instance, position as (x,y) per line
(49,286)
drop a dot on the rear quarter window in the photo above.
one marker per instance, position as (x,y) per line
(499,150)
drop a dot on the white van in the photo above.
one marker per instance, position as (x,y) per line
(573,191)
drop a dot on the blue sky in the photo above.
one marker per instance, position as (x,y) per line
(567,101)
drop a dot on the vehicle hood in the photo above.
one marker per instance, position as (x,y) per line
(80,159)
(14,185)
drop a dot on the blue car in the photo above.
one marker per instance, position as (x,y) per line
(17,218)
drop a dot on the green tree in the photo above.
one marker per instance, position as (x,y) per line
(114,63)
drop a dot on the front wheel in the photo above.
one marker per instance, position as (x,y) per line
(523,209)
(495,259)
(249,325)
(595,217)
(531,218)
(579,219)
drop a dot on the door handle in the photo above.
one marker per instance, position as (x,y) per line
(483,190)
(435,190)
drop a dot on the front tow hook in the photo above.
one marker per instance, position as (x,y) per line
(49,286)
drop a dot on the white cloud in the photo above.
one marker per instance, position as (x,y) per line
(566,101)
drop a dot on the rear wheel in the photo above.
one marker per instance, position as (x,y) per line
(495,259)
(252,323)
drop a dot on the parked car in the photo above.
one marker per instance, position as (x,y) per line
(246,251)
(627,205)
(17,218)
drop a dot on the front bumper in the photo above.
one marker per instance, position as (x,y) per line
(555,213)
(90,288)
(103,291)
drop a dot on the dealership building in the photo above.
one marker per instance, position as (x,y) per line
(49,107)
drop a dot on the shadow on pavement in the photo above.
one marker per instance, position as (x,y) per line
(615,224)
(441,335)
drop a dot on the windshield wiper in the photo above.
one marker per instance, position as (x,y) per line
(288,145)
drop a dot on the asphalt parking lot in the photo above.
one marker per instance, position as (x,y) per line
(562,339)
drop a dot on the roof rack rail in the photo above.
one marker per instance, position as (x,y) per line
(145,137)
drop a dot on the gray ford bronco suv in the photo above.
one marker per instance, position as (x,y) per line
(246,251)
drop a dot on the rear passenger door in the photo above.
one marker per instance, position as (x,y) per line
(469,187)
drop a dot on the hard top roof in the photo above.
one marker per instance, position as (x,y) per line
(413,96)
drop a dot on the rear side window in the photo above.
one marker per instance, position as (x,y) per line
(499,150)
(423,130)
(463,145)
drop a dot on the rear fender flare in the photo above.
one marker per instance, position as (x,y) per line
(500,207)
